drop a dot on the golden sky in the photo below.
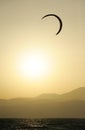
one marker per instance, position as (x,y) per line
(33,60)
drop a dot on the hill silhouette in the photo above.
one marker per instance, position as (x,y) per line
(77,94)
(68,105)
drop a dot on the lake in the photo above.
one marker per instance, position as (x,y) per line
(42,124)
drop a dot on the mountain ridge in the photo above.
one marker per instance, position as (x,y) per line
(59,107)
(52,95)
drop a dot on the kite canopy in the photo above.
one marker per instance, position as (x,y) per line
(60,21)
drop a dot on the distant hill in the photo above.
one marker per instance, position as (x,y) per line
(77,94)
(69,105)
(48,96)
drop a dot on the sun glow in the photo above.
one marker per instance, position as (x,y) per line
(34,65)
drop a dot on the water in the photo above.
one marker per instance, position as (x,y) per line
(42,124)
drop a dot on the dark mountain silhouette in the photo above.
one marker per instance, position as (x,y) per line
(69,105)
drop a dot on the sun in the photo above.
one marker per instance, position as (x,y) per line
(34,65)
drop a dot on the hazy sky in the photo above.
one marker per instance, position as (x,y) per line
(23,34)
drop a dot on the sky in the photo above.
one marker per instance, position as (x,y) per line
(33,60)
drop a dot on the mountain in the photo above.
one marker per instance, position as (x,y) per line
(48,96)
(77,94)
(69,105)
